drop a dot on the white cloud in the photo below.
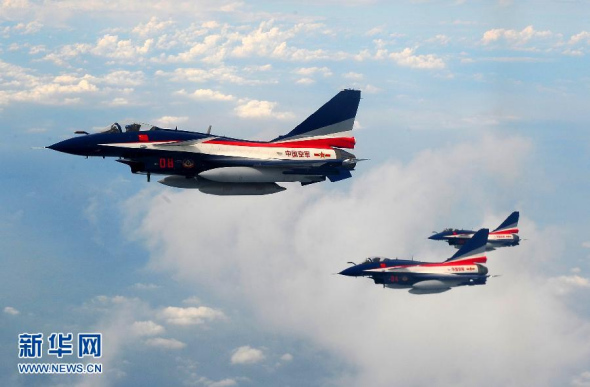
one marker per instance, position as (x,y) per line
(146,328)
(57,12)
(190,315)
(221,74)
(266,67)
(207,47)
(20,84)
(513,37)
(375,31)
(287,357)
(118,101)
(265,40)
(582,380)
(370,89)
(247,355)
(123,78)
(23,28)
(34,50)
(260,109)
(407,58)
(67,53)
(112,47)
(487,119)
(353,76)
(567,283)
(210,95)
(128,322)
(211,24)
(582,37)
(107,46)
(223,383)
(54,93)
(570,52)
(153,27)
(305,81)
(309,71)
(439,39)
(507,317)
(114,319)
(163,343)
(10,310)
(269,40)
(169,121)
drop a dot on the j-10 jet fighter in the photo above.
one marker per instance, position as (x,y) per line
(218,165)
(465,268)
(505,235)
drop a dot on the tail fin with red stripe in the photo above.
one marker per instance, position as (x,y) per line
(509,225)
(474,249)
(330,123)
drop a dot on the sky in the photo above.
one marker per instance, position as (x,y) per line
(470,110)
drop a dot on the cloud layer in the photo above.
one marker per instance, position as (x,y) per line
(282,269)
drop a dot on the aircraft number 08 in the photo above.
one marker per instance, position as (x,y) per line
(166,163)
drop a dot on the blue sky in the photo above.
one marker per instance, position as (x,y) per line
(470,110)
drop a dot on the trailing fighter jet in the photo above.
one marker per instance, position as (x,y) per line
(465,268)
(505,235)
(218,165)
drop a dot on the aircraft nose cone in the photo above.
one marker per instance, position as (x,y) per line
(351,272)
(435,237)
(66,146)
(55,147)
(76,146)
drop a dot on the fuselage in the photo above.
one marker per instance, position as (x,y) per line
(457,238)
(311,152)
(422,277)
(176,152)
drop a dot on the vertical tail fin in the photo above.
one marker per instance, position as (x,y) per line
(510,225)
(336,116)
(473,248)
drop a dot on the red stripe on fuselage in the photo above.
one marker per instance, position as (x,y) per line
(508,231)
(321,143)
(470,261)
(459,262)
(143,142)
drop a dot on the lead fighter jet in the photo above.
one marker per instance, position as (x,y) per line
(465,268)
(505,235)
(218,165)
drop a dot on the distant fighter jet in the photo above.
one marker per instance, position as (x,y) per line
(226,166)
(462,269)
(505,235)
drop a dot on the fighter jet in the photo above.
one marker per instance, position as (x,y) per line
(465,268)
(218,165)
(505,235)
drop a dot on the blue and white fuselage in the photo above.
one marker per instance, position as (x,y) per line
(310,153)
(465,268)
(505,235)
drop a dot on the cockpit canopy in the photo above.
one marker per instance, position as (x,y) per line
(115,128)
(134,127)
(374,259)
